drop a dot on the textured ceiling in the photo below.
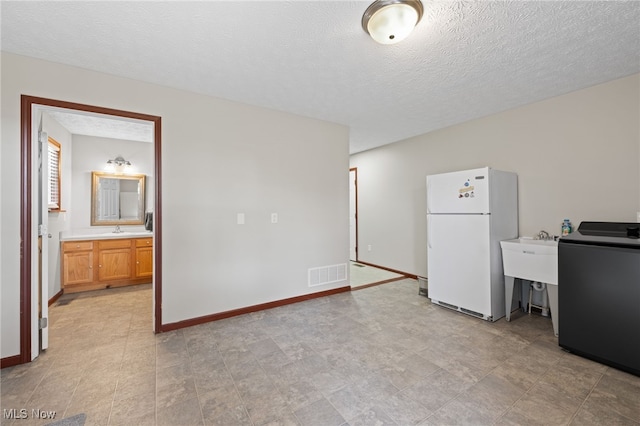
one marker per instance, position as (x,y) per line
(79,123)
(465,60)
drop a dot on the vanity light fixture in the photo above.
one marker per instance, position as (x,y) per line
(391,21)
(118,163)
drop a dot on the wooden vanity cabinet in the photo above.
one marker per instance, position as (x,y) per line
(77,260)
(114,260)
(118,262)
(144,258)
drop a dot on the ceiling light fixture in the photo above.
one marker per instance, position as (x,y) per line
(391,21)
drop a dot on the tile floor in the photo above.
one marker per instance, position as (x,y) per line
(382,355)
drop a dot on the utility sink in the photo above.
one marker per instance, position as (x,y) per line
(533,260)
(529,259)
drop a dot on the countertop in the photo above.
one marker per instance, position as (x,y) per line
(99,234)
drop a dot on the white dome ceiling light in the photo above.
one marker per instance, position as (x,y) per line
(391,21)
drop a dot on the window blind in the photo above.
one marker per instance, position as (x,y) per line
(54,175)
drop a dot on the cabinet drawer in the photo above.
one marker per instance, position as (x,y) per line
(77,245)
(144,242)
(112,244)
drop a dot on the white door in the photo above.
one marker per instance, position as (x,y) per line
(459,192)
(353,215)
(459,266)
(43,241)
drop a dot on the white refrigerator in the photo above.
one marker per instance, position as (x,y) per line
(468,214)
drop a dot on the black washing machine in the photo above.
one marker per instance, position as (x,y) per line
(599,293)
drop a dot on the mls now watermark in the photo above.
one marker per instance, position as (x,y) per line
(23,413)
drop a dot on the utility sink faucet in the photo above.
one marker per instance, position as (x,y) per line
(117,231)
(543,235)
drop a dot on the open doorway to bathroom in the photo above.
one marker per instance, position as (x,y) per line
(31,268)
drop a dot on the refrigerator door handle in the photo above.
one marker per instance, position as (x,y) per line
(428,232)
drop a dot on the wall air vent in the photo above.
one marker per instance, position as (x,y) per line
(327,274)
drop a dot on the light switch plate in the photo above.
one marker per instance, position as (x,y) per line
(240,218)
(638,218)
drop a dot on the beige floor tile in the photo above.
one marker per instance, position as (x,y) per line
(94,390)
(542,405)
(175,393)
(185,412)
(375,416)
(438,389)
(329,381)
(219,400)
(618,393)
(404,410)
(319,413)
(592,413)
(129,386)
(234,416)
(380,355)
(350,402)
(175,374)
(267,409)
(299,394)
(212,376)
(567,380)
(461,412)
(96,416)
(138,409)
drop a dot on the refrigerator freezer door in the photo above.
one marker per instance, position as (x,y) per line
(459,266)
(459,192)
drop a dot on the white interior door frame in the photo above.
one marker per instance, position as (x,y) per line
(353,214)
(41,288)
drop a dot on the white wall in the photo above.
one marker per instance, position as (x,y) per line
(219,158)
(576,156)
(91,154)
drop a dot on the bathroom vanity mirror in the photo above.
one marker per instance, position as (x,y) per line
(117,199)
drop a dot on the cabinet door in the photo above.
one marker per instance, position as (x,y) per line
(114,264)
(144,262)
(77,268)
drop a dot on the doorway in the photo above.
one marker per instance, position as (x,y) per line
(29,321)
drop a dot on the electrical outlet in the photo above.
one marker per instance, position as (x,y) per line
(638,218)
(274,217)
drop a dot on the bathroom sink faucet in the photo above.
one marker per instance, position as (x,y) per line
(543,235)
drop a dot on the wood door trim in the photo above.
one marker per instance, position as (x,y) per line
(25,230)
(254,308)
(26,104)
(355,170)
(406,274)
